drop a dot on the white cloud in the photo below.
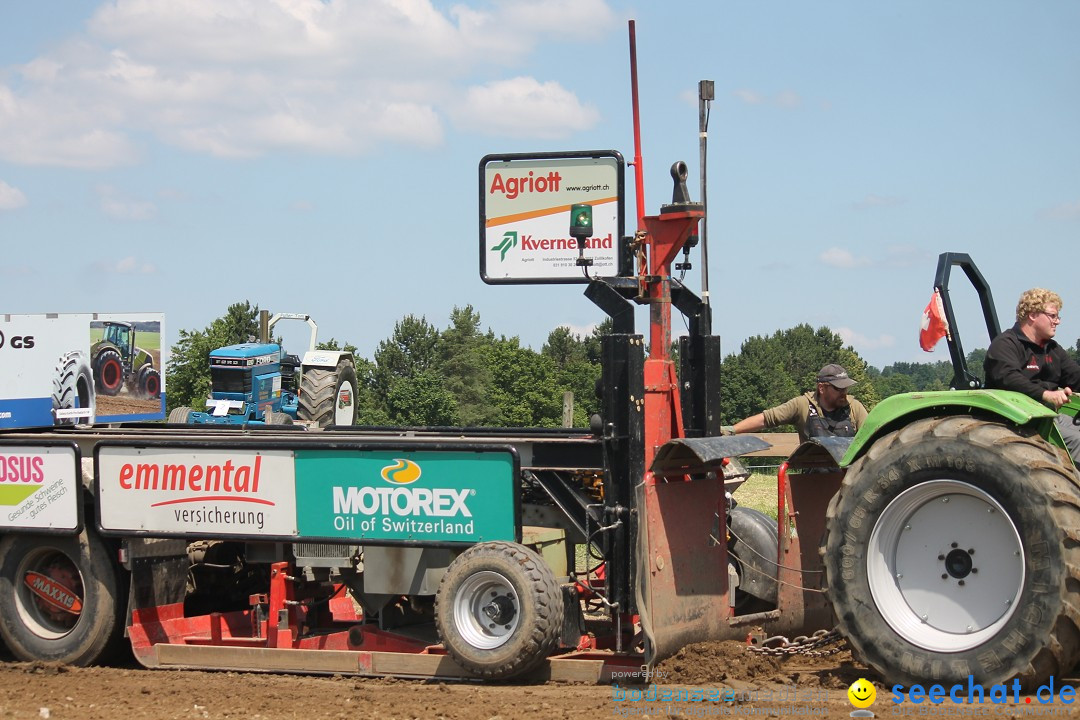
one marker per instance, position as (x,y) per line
(1064,211)
(524,107)
(238,78)
(125,266)
(865,343)
(11,198)
(120,207)
(872,200)
(841,258)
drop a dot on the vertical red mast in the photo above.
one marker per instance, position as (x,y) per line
(639,173)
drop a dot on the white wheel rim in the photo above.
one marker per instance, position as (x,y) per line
(486,610)
(930,531)
(28,606)
(343,404)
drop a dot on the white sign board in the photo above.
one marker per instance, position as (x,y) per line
(217,492)
(525,203)
(39,487)
(81,368)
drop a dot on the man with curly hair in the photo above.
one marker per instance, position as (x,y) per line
(1026,359)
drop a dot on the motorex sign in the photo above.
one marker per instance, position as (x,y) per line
(395,496)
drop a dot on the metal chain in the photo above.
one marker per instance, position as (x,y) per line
(815,645)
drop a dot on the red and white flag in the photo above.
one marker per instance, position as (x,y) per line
(934,325)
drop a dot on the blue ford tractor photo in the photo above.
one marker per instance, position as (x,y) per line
(260,384)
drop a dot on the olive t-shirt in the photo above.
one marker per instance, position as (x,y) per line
(796,411)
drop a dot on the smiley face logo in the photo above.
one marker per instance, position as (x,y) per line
(862,693)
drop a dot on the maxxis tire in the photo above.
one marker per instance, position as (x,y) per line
(73,387)
(910,601)
(179,416)
(754,547)
(148,383)
(526,589)
(328,397)
(108,373)
(33,629)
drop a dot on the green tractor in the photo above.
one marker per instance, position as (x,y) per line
(953,546)
(116,361)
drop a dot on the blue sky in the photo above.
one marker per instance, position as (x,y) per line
(321,157)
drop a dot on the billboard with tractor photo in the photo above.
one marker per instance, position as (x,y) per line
(80,369)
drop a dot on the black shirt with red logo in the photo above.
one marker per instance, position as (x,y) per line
(1013,362)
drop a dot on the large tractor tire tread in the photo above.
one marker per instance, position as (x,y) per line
(320,392)
(73,386)
(538,619)
(1035,484)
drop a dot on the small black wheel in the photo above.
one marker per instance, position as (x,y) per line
(179,415)
(498,610)
(277,418)
(754,549)
(108,372)
(60,600)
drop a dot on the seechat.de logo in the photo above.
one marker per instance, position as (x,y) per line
(402,472)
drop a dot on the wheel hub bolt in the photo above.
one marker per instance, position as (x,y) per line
(500,610)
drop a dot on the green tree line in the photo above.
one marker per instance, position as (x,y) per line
(463,375)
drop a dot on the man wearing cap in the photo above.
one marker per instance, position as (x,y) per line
(825,411)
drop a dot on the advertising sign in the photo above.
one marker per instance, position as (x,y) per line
(396,496)
(78,369)
(216,492)
(39,488)
(525,216)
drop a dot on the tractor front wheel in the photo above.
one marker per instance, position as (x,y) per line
(148,383)
(179,416)
(498,610)
(950,552)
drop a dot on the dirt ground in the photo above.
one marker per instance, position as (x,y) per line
(763,687)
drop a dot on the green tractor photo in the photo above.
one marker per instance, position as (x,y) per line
(117,361)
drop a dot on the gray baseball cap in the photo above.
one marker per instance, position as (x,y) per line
(836,376)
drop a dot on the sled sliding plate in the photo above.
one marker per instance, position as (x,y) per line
(819,452)
(695,456)
(590,668)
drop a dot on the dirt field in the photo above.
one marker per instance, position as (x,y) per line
(764,686)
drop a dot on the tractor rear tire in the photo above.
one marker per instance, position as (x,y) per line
(328,397)
(73,387)
(498,610)
(179,416)
(915,521)
(148,383)
(108,372)
(754,549)
(83,622)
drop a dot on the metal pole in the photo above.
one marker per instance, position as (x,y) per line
(706,93)
(639,174)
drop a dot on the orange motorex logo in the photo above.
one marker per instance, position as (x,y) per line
(402,472)
(53,593)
